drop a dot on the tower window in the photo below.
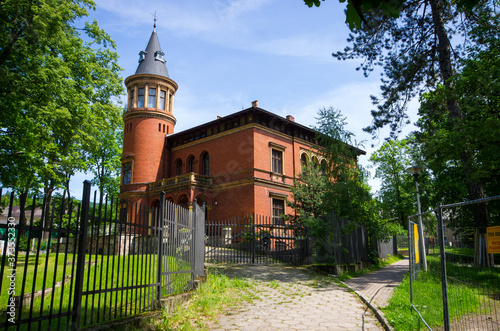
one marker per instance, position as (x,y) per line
(159,127)
(162,99)
(159,56)
(142,56)
(163,128)
(140,98)
(127,173)
(152,98)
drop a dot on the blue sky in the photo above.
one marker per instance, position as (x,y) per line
(224,54)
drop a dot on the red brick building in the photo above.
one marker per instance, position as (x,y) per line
(238,164)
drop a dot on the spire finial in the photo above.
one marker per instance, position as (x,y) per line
(154,25)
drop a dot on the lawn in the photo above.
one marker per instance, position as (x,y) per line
(471,293)
(113,275)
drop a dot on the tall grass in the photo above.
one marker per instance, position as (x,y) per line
(214,296)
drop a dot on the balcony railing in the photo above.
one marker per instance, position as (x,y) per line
(190,179)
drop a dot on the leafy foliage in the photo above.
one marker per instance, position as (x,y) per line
(340,186)
(477,88)
(397,193)
(57,87)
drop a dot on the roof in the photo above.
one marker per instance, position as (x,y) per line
(259,116)
(151,60)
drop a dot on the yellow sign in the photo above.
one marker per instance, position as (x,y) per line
(493,239)
(415,239)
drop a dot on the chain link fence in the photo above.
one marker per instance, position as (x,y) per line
(455,285)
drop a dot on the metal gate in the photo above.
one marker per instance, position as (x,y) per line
(256,239)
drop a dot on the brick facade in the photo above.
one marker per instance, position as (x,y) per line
(238,164)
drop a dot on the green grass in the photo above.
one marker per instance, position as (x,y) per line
(382,263)
(213,297)
(108,272)
(469,292)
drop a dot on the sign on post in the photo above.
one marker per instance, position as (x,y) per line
(415,242)
(493,239)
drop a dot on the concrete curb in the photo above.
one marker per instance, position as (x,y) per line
(380,315)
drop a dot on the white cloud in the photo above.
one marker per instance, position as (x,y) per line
(234,24)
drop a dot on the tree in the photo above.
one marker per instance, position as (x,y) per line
(356,9)
(340,186)
(104,159)
(396,193)
(57,90)
(310,190)
(416,53)
(477,87)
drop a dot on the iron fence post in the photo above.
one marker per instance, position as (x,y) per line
(253,241)
(80,261)
(160,245)
(194,223)
(444,284)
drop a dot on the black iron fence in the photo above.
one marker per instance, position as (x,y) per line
(341,242)
(261,239)
(455,285)
(95,262)
(256,239)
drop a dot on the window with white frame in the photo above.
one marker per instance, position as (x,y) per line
(162,99)
(151,97)
(140,98)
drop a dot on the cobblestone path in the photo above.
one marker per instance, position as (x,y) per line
(293,298)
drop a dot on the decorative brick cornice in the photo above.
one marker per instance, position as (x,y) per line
(149,78)
(161,115)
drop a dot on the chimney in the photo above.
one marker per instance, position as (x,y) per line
(290,118)
(219,117)
(255,103)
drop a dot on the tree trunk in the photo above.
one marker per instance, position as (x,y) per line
(475,187)
(46,222)
(22,213)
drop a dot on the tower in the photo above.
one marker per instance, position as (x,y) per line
(148,119)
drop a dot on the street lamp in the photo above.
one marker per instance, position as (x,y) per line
(415,171)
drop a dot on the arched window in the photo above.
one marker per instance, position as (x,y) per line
(205,164)
(303,162)
(323,167)
(178,167)
(190,164)
(315,162)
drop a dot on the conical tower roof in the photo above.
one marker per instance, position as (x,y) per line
(151,60)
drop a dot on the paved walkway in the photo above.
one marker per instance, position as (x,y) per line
(295,298)
(377,287)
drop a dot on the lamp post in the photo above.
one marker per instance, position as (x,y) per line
(415,171)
